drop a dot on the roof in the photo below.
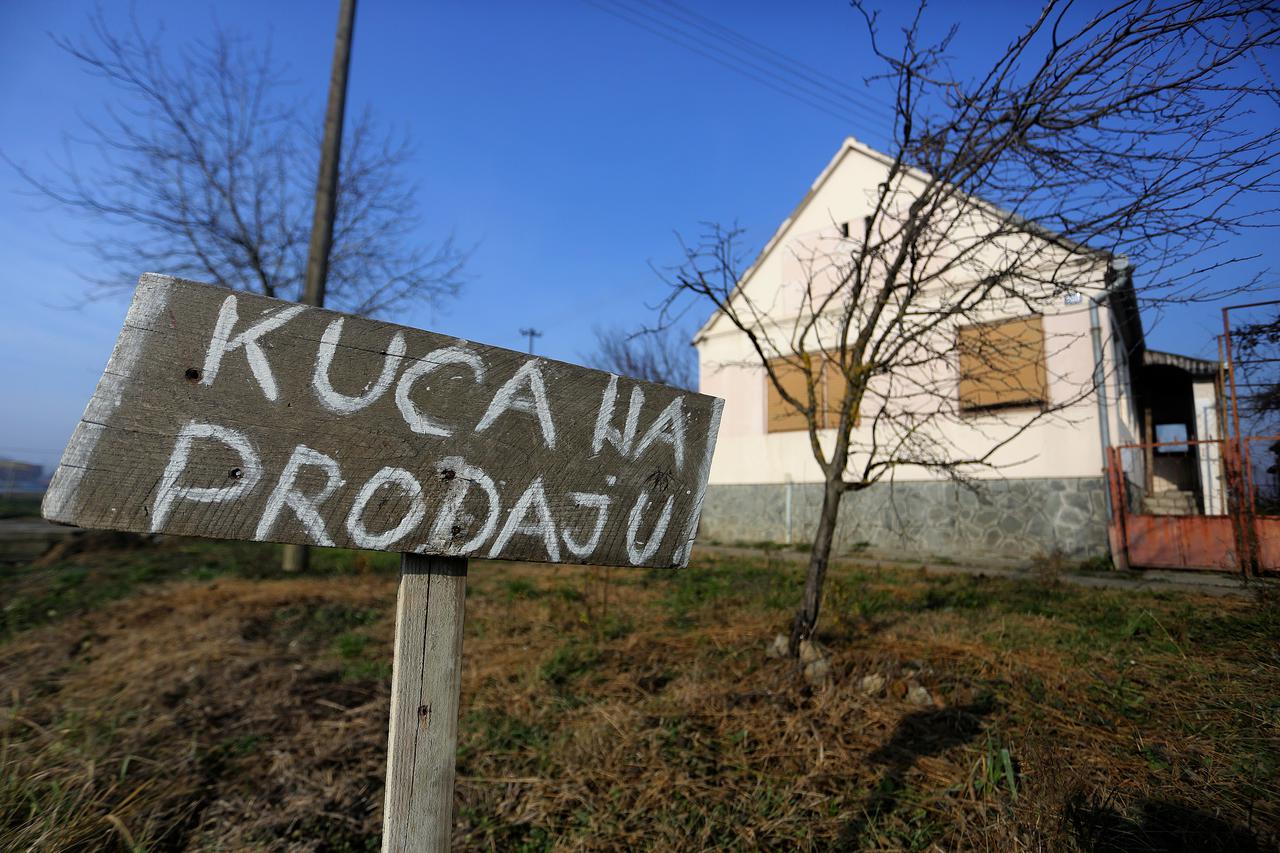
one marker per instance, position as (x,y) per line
(1201,367)
(851,145)
(848,145)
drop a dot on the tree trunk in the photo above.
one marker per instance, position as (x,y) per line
(806,619)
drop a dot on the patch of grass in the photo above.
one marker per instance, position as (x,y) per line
(616,627)
(35,595)
(954,596)
(20,506)
(519,588)
(765,545)
(235,747)
(1100,564)
(568,662)
(658,723)
(571,594)
(728,583)
(994,772)
(494,731)
(314,622)
(491,833)
(359,661)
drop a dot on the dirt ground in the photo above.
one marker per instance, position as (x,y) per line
(186,696)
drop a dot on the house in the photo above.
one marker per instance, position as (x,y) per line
(1043,489)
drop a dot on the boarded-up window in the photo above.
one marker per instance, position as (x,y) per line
(829,392)
(833,391)
(1002,364)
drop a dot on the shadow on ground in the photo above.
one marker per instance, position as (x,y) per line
(918,735)
(1157,826)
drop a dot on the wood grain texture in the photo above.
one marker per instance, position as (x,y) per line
(234,416)
(425,682)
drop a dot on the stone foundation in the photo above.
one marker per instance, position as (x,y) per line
(1002,519)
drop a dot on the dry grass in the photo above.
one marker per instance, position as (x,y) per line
(619,710)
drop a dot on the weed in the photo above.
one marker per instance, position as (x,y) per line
(1095,565)
(570,594)
(359,661)
(519,588)
(616,627)
(993,774)
(492,730)
(569,661)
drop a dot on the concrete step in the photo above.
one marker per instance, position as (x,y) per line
(1171,503)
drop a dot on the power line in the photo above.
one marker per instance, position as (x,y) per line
(789,64)
(733,60)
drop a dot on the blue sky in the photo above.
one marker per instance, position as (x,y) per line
(568,144)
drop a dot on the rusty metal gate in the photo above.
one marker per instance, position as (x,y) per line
(1263,501)
(1219,508)
(1231,523)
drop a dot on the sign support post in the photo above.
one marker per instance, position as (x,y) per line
(426,678)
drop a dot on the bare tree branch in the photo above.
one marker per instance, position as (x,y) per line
(1140,136)
(663,355)
(205,166)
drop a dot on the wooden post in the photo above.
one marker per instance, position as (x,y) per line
(296,558)
(425,679)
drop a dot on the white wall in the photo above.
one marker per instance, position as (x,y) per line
(1063,444)
(1204,395)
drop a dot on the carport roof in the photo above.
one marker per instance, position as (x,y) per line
(1198,367)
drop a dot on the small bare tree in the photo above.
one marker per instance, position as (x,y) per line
(662,355)
(204,168)
(1257,363)
(1129,135)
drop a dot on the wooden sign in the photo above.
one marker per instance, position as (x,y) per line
(234,416)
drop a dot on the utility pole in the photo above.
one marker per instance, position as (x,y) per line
(531,333)
(296,557)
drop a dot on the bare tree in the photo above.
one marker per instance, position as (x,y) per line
(204,168)
(1257,364)
(662,355)
(1132,135)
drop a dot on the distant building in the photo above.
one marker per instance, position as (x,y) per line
(1047,491)
(18,476)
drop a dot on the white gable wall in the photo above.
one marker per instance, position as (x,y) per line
(1064,444)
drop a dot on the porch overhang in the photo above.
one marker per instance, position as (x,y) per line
(1199,368)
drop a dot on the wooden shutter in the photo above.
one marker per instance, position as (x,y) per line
(780,415)
(834,387)
(830,391)
(1002,364)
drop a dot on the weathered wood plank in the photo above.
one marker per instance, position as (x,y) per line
(235,416)
(425,682)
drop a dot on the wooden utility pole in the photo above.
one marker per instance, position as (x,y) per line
(296,557)
(531,333)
